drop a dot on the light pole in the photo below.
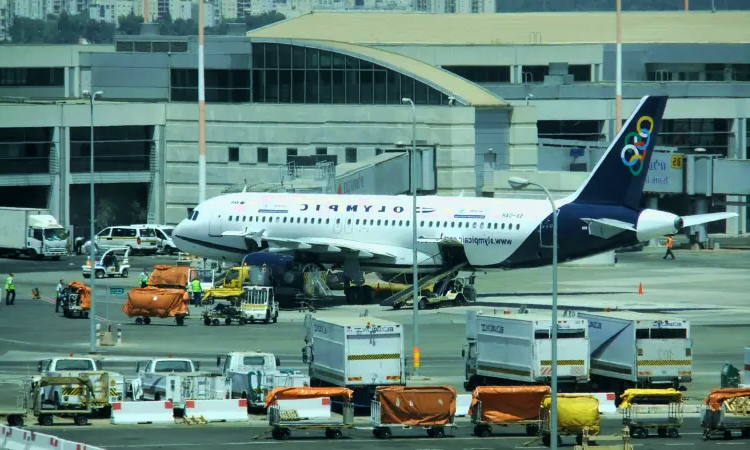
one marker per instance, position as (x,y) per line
(92,244)
(520,183)
(415,281)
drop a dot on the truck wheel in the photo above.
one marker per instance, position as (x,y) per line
(206,322)
(276,318)
(125,273)
(215,322)
(284,434)
(15,421)
(674,432)
(80,420)
(147,320)
(438,432)
(242,321)
(336,434)
(422,303)
(138,321)
(532,430)
(45,420)
(99,274)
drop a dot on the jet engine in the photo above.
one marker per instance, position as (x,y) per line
(653,224)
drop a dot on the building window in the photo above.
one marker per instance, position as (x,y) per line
(234,154)
(534,74)
(221,86)
(351,155)
(580,72)
(295,74)
(321,151)
(263,155)
(38,76)
(482,74)
(291,152)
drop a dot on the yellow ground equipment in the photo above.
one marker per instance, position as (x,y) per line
(659,409)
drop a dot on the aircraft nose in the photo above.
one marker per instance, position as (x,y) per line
(179,232)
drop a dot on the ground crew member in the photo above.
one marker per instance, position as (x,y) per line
(59,290)
(143,277)
(10,290)
(669,247)
(197,293)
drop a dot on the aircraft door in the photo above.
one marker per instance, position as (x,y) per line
(545,231)
(349,227)
(337,225)
(214,225)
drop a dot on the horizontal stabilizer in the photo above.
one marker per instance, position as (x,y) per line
(606,228)
(698,219)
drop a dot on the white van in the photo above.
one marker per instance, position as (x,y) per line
(139,240)
(163,236)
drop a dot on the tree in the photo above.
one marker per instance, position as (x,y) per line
(130,25)
(65,29)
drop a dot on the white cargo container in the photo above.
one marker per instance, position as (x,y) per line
(359,353)
(632,350)
(515,349)
(32,232)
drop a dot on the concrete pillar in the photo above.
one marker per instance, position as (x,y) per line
(77,82)
(66,81)
(737,149)
(652,202)
(54,170)
(700,206)
(65,172)
(156,201)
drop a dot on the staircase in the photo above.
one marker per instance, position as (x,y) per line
(443,275)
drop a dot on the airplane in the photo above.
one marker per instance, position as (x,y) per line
(373,233)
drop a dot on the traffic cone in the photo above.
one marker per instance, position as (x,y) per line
(640,288)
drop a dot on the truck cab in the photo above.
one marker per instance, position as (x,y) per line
(151,382)
(252,375)
(77,367)
(46,237)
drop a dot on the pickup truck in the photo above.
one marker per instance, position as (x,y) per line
(252,375)
(176,380)
(108,386)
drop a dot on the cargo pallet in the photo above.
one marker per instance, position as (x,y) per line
(281,428)
(484,428)
(383,431)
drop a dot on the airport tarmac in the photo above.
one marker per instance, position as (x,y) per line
(205,437)
(709,288)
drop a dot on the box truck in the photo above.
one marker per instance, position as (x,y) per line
(632,350)
(32,232)
(515,349)
(359,353)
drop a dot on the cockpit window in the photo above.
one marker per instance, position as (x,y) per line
(194,216)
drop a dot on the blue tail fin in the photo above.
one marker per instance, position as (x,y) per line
(619,176)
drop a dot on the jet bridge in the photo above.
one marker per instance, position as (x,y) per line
(388,173)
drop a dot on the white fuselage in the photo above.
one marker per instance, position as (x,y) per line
(489,229)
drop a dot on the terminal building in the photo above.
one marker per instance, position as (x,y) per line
(315,103)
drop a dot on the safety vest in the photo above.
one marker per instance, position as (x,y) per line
(9,286)
(669,242)
(196,285)
(143,278)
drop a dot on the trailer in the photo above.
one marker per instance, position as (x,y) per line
(282,424)
(506,406)
(576,416)
(632,350)
(515,349)
(727,411)
(76,300)
(357,353)
(432,408)
(659,409)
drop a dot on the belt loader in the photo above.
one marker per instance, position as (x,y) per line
(515,349)
(632,350)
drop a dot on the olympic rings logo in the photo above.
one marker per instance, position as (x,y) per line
(637,142)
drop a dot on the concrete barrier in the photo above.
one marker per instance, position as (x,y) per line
(309,408)
(218,410)
(463,402)
(130,413)
(4,430)
(40,441)
(17,439)
(67,445)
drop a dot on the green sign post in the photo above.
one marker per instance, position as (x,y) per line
(116,291)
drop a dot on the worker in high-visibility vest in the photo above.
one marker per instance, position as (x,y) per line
(669,247)
(143,277)
(195,286)
(10,290)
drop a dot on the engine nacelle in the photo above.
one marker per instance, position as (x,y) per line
(653,224)
(268,258)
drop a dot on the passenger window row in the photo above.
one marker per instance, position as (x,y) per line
(373,222)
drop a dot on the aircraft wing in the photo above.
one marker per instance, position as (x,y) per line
(606,228)
(328,245)
(698,219)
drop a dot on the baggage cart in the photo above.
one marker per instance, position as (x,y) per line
(648,409)
(506,406)
(574,415)
(222,313)
(727,411)
(432,408)
(45,417)
(282,424)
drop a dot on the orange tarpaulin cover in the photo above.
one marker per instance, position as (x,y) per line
(507,404)
(155,302)
(297,393)
(416,405)
(167,276)
(717,396)
(84,293)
